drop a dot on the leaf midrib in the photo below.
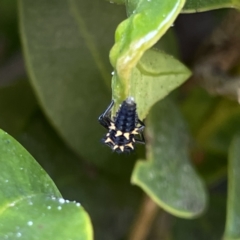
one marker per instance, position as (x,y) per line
(89,41)
(13,203)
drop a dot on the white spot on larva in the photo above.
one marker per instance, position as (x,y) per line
(49,207)
(126,135)
(130,100)
(78,204)
(61,200)
(115,147)
(53,198)
(119,133)
(30,203)
(59,207)
(122,148)
(67,201)
(30,223)
(6,180)
(11,205)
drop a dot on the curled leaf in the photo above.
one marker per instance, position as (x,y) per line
(154,77)
(148,22)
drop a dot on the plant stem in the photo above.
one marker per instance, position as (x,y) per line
(144,221)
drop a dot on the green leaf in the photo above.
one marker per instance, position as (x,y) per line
(167,175)
(21,176)
(147,23)
(66,46)
(154,77)
(232,231)
(206,5)
(131,5)
(30,204)
(44,217)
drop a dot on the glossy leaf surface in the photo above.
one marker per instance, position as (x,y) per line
(31,206)
(148,21)
(41,217)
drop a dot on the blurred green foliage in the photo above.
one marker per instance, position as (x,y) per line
(53,114)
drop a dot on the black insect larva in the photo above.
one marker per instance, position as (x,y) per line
(123,128)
